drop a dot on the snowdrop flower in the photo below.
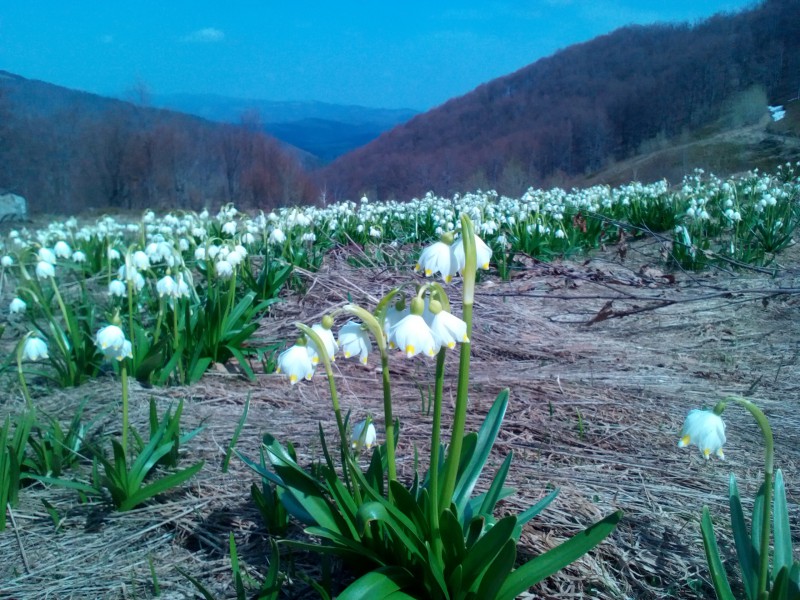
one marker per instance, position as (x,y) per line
(7,261)
(229,228)
(296,363)
(447,328)
(370,436)
(62,249)
(235,257)
(224,269)
(706,430)
(394,314)
(78,256)
(112,343)
(323,330)
(412,334)
(200,253)
(482,252)
(113,254)
(45,269)
(354,339)
(166,286)
(438,258)
(46,255)
(117,288)
(248,238)
(141,260)
(17,306)
(34,349)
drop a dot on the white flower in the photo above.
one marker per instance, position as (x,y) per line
(166,286)
(448,329)
(79,256)
(229,228)
(296,363)
(326,335)
(412,335)
(224,269)
(394,314)
(369,439)
(438,258)
(17,306)
(7,261)
(277,237)
(62,249)
(44,269)
(117,288)
(354,339)
(34,349)
(141,260)
(46,255)
(113,254)
(482,252)
(706,430)
(112,343)
(200,253)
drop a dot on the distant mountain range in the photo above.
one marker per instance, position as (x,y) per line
(590,106)
(322,129)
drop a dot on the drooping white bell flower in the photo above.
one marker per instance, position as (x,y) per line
(438,258)
(62,249)
(229,228)
(113,254)
(482,252)
(448,329)
(141,260)
(224,269)
(17,306)
(34,349)
(45,269)
(277,237)
(394,314)
(412,334)
(369,439)
(79,256)
(112,343)
(117,288)
(296,363)
(323,330)
(706,430)
(354,340)
(6,261)
(166,286)
(46,255)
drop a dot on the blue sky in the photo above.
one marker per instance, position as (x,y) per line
(410,54)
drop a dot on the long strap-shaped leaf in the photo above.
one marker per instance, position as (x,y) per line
(782,536)
(380,584)
(541,567)
(748,558)
(718,576)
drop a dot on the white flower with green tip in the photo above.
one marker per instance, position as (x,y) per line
(354,340)
(323,330)
(438,258)
(482,252)
(117,288)
(412,334)
(45,269)
(112,343)
(448,329)
(62,249)
(34,349)
(17,306)
(370,436)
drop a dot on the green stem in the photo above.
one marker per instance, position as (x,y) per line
(460,415)
(376,330)
(23,383)
(769,465)
(130,313)
(435,444)
(71,366)
(125,409)
(176,340)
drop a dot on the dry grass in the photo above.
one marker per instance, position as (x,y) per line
(595,410)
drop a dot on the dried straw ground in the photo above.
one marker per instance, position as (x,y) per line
(598,394)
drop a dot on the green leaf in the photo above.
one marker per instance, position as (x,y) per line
(534,510)
(380,584)
(483,553)
(756,522)
(744,547)
(495,490)
(196,583)
(715,568)
(399,525)
(782,558)
(486,438)
(159,486)
(498,571)
(780,585)
(237,573)
(235,437)
(543,566)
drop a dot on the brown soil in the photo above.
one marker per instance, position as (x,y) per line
(603,358)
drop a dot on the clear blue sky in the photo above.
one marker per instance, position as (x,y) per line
(380,53)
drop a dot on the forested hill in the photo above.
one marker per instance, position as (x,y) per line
(587,106)
(66,151)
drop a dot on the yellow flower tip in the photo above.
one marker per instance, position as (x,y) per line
(409,351)
(466,339)
(451,345)
(308,377)
(364,360)
(315,360)
(706,453)
(292,378)
(431,352)
(485,266)
(428,272)
(347,354)
(720,454)
(392,345)
(277,369)
(683,442)
(417,267)
(448,278)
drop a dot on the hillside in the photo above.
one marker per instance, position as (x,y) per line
(587,107)
(321,129)
(67,151)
